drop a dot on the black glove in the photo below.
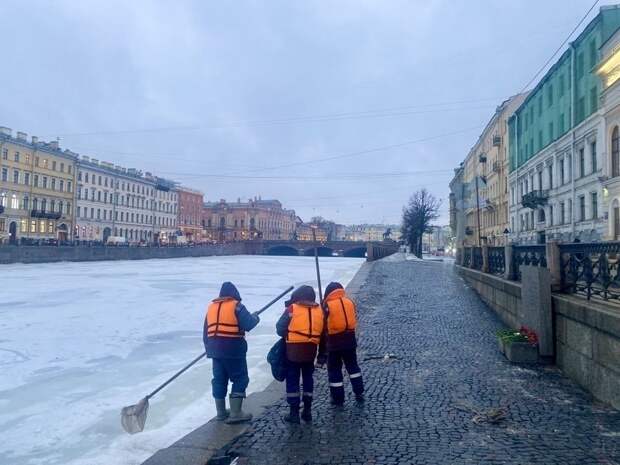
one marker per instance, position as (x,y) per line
(255,315)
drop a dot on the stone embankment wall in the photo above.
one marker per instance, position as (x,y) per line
(586,333)
(45,254)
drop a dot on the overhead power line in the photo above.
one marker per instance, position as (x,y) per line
(387,112)
(560,47)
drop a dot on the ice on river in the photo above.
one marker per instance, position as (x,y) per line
(80,340)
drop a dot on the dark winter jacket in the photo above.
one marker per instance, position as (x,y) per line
(299,352)
(230,347)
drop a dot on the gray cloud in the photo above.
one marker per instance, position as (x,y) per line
(92,67)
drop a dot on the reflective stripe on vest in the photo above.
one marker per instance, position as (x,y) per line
(341,316)
(222,319)
(306,324)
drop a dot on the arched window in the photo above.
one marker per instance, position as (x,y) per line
(615,153)
(14,202)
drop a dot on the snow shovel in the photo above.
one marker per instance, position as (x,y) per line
(133,417)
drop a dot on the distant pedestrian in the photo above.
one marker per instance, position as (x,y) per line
(341,344)
(225,325)
(301,325)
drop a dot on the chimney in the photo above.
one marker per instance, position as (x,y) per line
(35,140)
(22,136)
(5,131)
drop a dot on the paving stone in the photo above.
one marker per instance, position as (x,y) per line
(420,406)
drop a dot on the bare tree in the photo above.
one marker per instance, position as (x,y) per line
(423,208)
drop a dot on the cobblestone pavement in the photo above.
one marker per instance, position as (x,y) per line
(419,405)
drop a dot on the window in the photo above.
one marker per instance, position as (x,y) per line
(5,154)
(580,65)
(62,167)
(33,226)
(593,157)
(27,179)
(85,177)
(54,165)
(581,108)
(5,174)
(14,202)
(69,186)
(79,211)
(16,176)
(44,182)
(53,184)
(16,157)
(582,208)
(582,163)
(540,105)
(551,134)
(36,161)
(540,180)
(593,100)
(562,123)
(23,226)
(61,185)
(550,95)
(79,175)
(594,200)
(561,85)
(540,140)
(562,179)
(593,53)
(615,153)
(99,180)
(551,176)
(26,205)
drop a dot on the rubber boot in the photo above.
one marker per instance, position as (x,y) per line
(359,398)
(293,416)
(306,415)
(222,413)
(236,414)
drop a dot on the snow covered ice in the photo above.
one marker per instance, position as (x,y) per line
(78,341)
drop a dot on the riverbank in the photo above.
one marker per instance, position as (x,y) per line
(199,446)
(434,377)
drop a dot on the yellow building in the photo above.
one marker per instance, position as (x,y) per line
(485,179)
(37,182)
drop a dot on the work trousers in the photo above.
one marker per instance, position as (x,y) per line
(295,371)
(229,369)
(335,359)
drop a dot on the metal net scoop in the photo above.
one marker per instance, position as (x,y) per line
(133,417)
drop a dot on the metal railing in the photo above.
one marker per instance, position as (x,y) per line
(592,270)
(467,256)
(477,258)
(497,260)
(534,255)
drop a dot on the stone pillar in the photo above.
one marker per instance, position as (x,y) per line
(485,256)
(508,261)
(554,263)
(536,311)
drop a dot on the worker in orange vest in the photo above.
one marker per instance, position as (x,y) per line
(341,321)
(225,325)
(301,325)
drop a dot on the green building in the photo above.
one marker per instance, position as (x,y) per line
(565,96)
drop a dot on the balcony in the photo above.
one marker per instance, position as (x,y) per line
(535,199)
(44,214)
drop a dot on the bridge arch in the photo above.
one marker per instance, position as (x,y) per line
(282,250)
(357,252)
(322,251)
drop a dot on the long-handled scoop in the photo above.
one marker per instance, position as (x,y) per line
(133,417)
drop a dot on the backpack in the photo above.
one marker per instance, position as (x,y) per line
(277,359)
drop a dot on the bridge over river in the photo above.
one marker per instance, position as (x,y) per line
(325,249)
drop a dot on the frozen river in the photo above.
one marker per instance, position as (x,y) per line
(80,340)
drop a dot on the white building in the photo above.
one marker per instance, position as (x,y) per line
(115,201)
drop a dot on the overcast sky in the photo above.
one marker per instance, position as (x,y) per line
(336,108)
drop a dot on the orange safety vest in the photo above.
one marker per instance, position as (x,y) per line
(222,319)
(306,323)
(341,316)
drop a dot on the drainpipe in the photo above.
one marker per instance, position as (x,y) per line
(572,145)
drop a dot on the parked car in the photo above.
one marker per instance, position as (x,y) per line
(116,240)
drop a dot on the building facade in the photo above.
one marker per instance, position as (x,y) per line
(255,219)
(479,189)
(371,232)
(114,201)
(37,182)
(555,147)
(609,71)
(189,218)
(165,210)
